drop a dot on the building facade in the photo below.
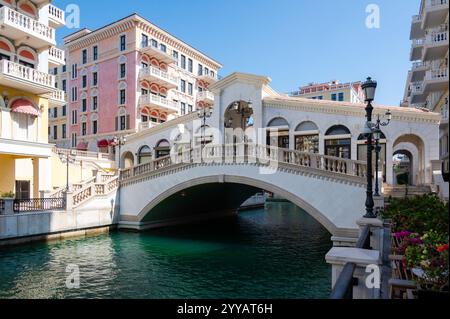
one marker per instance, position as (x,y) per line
(332,91)
(27,49)
(427,82)
(128,76)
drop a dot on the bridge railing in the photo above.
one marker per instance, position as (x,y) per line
(249,153)
(343,289)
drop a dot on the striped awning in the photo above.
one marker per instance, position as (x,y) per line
(25,107)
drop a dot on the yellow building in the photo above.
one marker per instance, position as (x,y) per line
(332,91)
(27,50)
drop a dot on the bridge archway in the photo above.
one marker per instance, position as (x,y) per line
(412,146)
(240,187)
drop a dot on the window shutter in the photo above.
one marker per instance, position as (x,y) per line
(128,122)
(117,123)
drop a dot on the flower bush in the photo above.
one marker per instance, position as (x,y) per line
(421,226)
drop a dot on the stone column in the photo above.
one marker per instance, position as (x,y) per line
(9,206)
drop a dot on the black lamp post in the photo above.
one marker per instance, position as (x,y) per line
(203,114)
(68,157)
(377,135)
(119,141)
(369,88)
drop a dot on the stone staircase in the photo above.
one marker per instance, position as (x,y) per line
(406,191)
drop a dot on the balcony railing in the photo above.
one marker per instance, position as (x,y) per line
(24,23)
(56,15)
(420,64)
(437,74)
(151,99)
(437,35)
(147,125)
(151,71)
(56,56)
(23,73)
(434,3)
(38,205)
(205,96)
(417,88)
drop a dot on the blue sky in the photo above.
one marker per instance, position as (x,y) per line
(292,41)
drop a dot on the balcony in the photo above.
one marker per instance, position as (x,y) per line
(418,71)
(56,17)
(435,12)
(159,77)
(416,28)
(147,125)
(56,57)
(207,78)
(436,44)
(156,53)
(25,30)
(206,97)
(416,49)
(417,93)
(26,79)
(57,98)
(436,80)
(159,102)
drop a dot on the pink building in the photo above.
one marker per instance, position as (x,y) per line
(128,76)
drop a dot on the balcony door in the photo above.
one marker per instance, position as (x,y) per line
(23,189)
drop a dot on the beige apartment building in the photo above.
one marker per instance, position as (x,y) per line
(332,91)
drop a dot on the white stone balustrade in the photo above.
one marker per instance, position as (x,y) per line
(25,73)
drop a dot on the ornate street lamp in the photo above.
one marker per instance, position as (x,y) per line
(119,141)
(67,157)
(369,88)
(377,136)
(203,114)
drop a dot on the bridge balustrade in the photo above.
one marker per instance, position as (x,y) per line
(250,153)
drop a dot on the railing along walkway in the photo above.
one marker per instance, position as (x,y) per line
(251,154)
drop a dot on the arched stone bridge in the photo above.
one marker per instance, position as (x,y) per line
(220,178)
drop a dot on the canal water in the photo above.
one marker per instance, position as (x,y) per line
(274,253)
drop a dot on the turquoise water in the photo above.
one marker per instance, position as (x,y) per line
(273,253)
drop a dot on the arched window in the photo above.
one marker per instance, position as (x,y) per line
(307,137)
(278,121)
(338,142)
(144,155)
(6,49)
(162,149)
(278,134)
(27,57)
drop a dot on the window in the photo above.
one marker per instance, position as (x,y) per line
(144,40)
(74,117)
(206,71)
(183,108)
(123,122)
(94,103)
(94,127)
(74,94)
(163,47)
(84,56)
(175,56)
(55,112)
(340,146)
(183,62)
(190,89)
(341,97)
(64,110)
(200,69)
(84,105)
(74,139)
(55,132)
(64,85)
(84,80)
(190,108)
(123,44)
(94,78)
(144,155)
(55,71)
(83,128)
(64,131)
(64,68)
(95,53)
(122,97)
(123,70)
(213,75)
(183,86)
(74,71)
(154,43)
(190,65)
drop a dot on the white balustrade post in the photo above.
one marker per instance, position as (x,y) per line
(9,206)
(69,200)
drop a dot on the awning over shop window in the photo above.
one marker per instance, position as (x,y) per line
(103,143)
(82,146)
(25,107)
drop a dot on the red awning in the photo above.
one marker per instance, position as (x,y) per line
(103,143)
(82,146)
(25,107)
